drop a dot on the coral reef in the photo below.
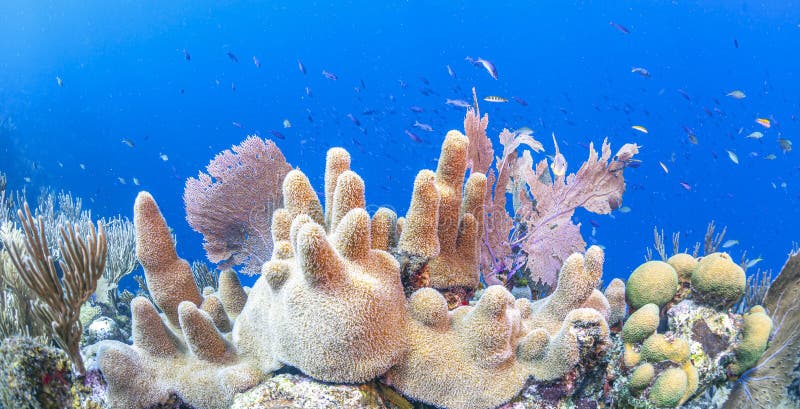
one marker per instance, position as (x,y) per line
(384,304)
(705,343)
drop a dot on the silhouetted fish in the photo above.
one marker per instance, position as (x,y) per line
(301,67)
(232,56)
(329,75)
(186,55)
(413,137)
(277,134)
(619,27)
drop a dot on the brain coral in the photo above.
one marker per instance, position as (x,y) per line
(654,282)
(718,280)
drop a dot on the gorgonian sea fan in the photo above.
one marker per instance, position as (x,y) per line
(232,204)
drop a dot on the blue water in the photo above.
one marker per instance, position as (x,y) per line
(125,75)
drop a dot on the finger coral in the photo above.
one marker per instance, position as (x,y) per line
(331,306)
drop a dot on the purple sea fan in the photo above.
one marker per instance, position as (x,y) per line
(232,204)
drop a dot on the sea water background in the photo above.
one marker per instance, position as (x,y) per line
(125,76)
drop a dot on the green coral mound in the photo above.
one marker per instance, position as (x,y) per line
(658,348)
(654,282)
(641,377)
(684,264)
(34,375)
(717,280)
(756,332)
(641,324)
(669,388)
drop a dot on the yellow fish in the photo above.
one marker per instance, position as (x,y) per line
(640,128)
(495,98)
(763,122)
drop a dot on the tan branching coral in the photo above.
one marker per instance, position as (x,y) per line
(501,338)
(197,364)
(331,306)
(169,278)
(189,357)
(447,245)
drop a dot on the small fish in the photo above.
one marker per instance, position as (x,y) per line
(329,75)
(286,124)
(495,98)
(559,165)
(363,86)
(640,128)
(236,124)
(686,186)
(136,181)
(277,134)
(416,109)
(625,209)
(730,243)
(770,156)
(663,166)
(186,55)
(487,65)
(121,180)
(232,56)
(82,166)
(755,135)
(128,142)
(256,62)
(641,71)
(684,94)
(163,156)
(413,136)
(308,92)
(736,94)
(619,27)
(763,122)
(735,43)
(785,144)
(692,139)
(520,101)
(733,157)
(59,81)
(457,103)
(450,72)
(525,130)
(27,179)
(233,86)
(354,120)
(301,67)
(424,127)
(753,262)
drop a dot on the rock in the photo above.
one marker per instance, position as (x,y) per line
(299,391)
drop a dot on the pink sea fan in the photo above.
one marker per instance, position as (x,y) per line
(232,204)
(547,204)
